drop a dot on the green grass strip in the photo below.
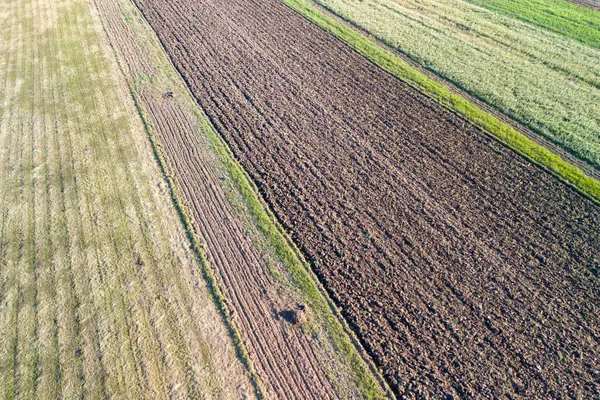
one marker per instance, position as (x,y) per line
(560,16)
(298,269)
(499,130)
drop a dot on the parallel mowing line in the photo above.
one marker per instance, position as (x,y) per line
(77,96)
(32,256)
(18,208)
(9,272)
(170,312)
(68,318)
(50,368)
(49,385)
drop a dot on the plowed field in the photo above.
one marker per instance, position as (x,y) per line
(289,359)
(463,268)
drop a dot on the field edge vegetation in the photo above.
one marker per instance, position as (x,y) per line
(502,132)
(277,238)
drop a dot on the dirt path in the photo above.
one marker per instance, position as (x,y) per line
(463,268)
(593,4)
(290,361)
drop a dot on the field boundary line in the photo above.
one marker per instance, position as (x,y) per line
(207,273)
(539,155)
(536,135)
(278,239)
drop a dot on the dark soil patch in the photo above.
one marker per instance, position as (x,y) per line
(593,4)
(464,269)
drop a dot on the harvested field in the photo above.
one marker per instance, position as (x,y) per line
(464,269)
(292,357)
(100,296)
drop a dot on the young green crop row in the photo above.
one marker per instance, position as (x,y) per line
(560,16)
(543,80)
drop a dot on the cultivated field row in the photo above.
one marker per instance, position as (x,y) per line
(263,282)
(463,268)
(100,295)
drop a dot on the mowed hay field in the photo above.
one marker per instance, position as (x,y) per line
(547,80)
(100,295)
(464,269)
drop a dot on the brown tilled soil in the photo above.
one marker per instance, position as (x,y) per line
(593,4)
(290,363)
(464,269)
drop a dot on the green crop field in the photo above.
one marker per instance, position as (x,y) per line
(546,81)
(100,295)
(559,16)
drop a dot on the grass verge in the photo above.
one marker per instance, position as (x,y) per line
(497,129)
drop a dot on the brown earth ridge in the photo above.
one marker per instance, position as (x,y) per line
(463,268)
(593,4)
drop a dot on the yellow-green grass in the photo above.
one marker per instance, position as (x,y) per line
(560,16)
(296,274)
(547,82)
(99,291)
(490,124)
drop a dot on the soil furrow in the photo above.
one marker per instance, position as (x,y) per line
(462,267)
(285,357)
